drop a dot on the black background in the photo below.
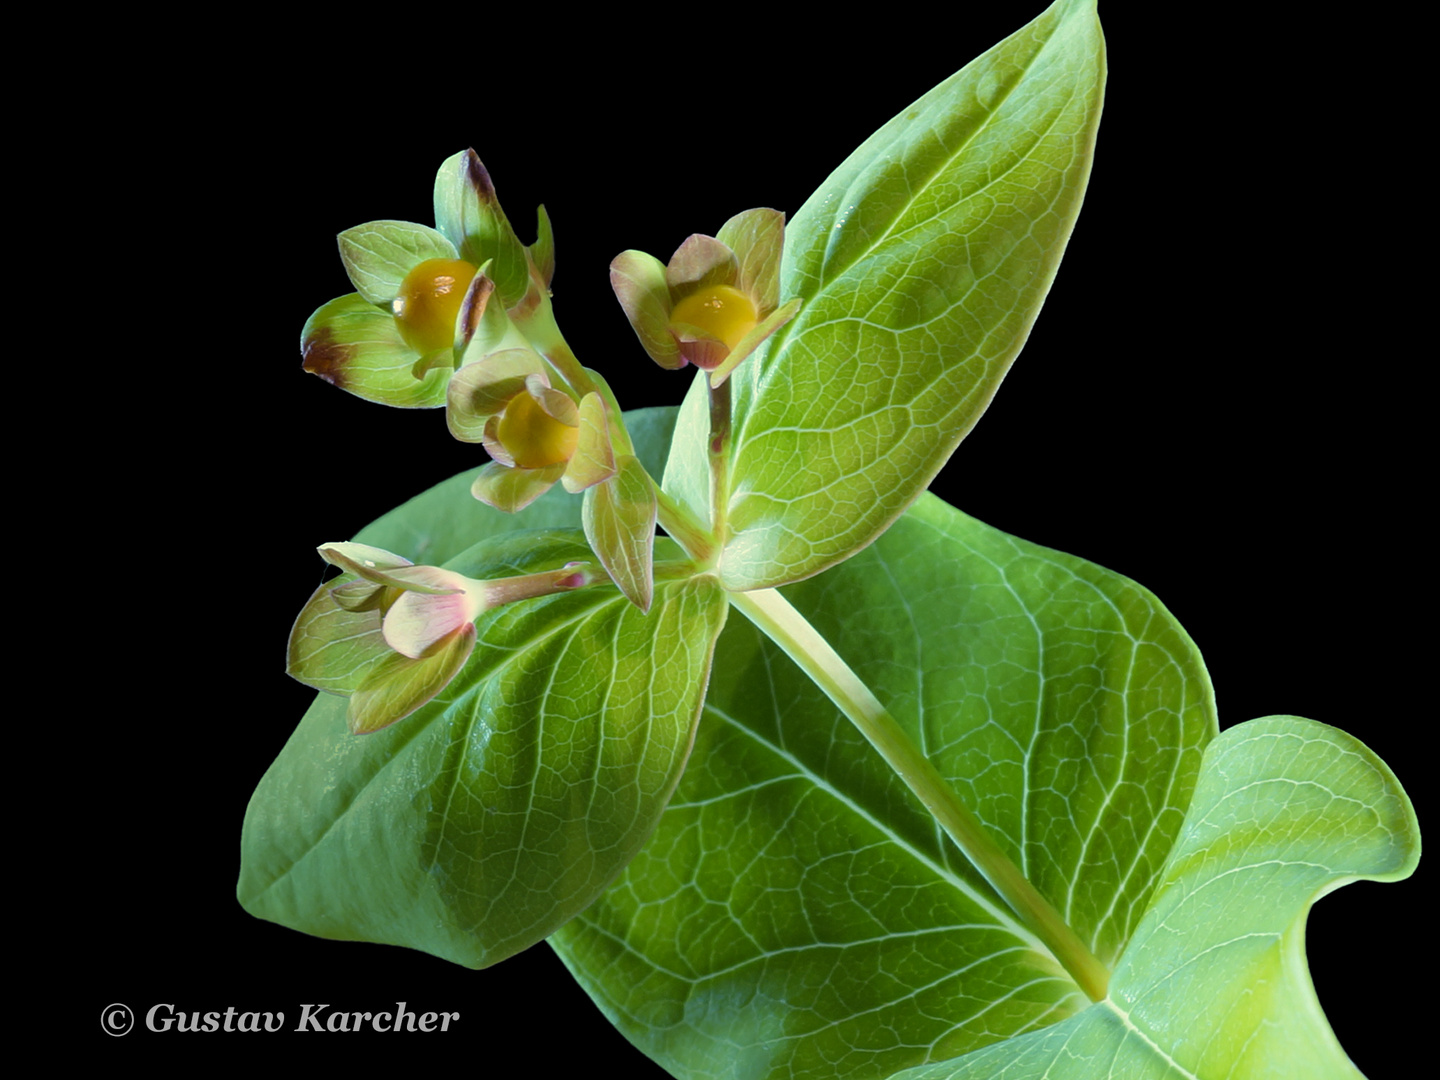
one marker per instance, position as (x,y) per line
(1215,402)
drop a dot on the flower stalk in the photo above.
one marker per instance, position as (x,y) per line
(719,454)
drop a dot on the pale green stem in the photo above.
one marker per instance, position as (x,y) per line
(773,614)
(719,449)
(685,528)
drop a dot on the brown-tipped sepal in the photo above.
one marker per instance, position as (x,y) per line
(468,213)
(356,346)
(542,252)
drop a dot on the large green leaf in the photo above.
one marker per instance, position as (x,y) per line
(923,261)
(476,826)
(1214,983)
(798,914)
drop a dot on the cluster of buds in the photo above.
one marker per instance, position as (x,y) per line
(391,635)
(715,302)
(420,292)
(446,316)
(535,433)
(459,316)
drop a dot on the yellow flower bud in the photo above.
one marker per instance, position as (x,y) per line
(429,302)
(532,436)
(722,311)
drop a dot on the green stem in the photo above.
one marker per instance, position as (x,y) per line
(773,614)
(719,449)
(685,528)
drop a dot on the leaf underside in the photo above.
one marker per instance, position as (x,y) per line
(1214,983)
(923,261)
(798,914)
(479,824)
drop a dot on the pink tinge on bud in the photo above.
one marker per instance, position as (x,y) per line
(418,624)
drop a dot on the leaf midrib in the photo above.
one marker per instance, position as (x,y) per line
(1003,919)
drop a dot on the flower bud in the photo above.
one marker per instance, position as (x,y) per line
(535,433)
(715,302)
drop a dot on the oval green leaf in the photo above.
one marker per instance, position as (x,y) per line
(799,914)
(479,824)
(343,838)
(1215,983)
(923,261)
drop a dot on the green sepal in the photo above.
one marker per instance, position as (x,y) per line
(333,648)
(468,212)
(481,390)
(619,517)
(594,458)
(378,255)
(754,339)
(512,489)
(639,283)
(701,260)
(354,345)
(399,685)
(757,237)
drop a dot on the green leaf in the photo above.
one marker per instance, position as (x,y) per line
(357,347)
(1214,983)
(378,255)
(687,469)
(799,914)
(923,261)
(619,519)
(485,820)
(468,212)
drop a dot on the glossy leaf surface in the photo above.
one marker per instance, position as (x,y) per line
(1215,982)
(923,261)
(798,914)
(477,825)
